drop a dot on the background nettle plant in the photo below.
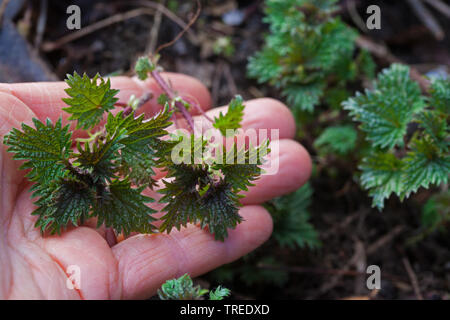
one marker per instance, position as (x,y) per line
(104,175)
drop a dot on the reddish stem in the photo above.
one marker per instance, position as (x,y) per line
(178,104)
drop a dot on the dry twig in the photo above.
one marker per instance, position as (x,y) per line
(412,277)
(440,6)
(188,26)
(427,18)
(149,10)
(383,53)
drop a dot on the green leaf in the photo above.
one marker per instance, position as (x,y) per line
(307,50)
(88,99)
(208,194)
(124,208)
(425,165)
(386,110)
(45,149)
(66,201)
(181,289)
(220,210)
(100,160)
(338,139)
(440,95)
(291,220)
(233,118)
(141,143)
(143,67)
(303,97)
(219,293)
(382,175)
(240,167)
(436,128)
(182,195)
(436,211)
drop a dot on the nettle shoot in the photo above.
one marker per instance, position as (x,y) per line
(308,54)
(183,289)
(408,134)
(105,175)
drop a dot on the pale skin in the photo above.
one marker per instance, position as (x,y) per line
(34,266)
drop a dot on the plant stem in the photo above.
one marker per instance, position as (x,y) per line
(178,104)
(142,100)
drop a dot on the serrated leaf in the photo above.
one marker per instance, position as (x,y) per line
(382,175)
(124,208)
(303,97)
(241,166)
(181,288)
(88,99)
(143,67)
(425,165)
(220,210)
(219,293)
(233,118)
(208,193)
(291,220)
(338,139)
(306,48)
(385,111)
(45,148)
(440,95)
(141,143)
(66,201)
(436,128)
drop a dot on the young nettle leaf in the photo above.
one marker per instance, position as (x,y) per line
(124,208)
(425,165)
(219,294)
(440,95)
(385,113)
(209,193)
(435,127)
(307,50)
(233,118)
(89,99)
(143,67)
(46,149)
(291,220)
(382,175)
(386,110)
(220,209)
(140,143)
(101,160)
(339,139)
(68,200)
(183,289)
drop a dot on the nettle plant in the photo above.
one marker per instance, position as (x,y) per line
(308,54)
(183,288)
(104,176)
(402,145)
(407,132)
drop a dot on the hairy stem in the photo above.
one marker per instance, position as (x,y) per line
(178,104)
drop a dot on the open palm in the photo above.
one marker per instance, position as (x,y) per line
(35,267)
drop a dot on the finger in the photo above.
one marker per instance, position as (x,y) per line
(264,113)
(288,167)
(44,98)
(13,113)
(146,261)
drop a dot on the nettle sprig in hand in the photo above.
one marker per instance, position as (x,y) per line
(104,176)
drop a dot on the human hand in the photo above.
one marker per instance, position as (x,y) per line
(34,267)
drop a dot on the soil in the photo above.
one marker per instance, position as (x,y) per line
(353,235)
